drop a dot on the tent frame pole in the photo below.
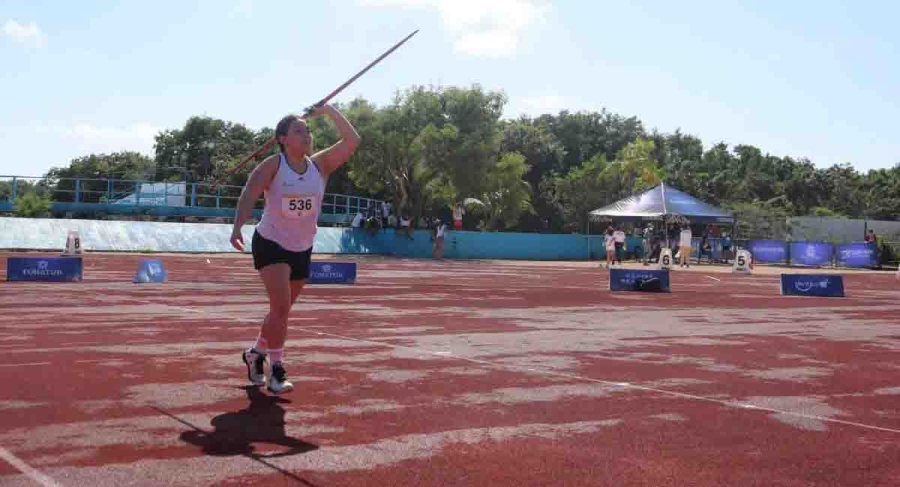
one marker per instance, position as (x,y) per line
(590,251)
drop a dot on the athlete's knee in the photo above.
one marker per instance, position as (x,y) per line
(296,289)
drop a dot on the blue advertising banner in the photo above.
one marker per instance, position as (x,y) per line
(150,270)
(768,251)
(814,254)
(822,285)
(47,269)
(332,272)
(639,280)
(856,255)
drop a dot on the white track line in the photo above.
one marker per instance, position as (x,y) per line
(713,278)
(619,384)
(26,469)
(29,364)
(544,371)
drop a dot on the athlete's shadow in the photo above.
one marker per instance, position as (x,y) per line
(261,422)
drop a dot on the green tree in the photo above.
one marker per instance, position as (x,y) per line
(429,146)
(880,190)
(634,169)
(5,190)
(361,113)
(506,195)
(582,189)
(756,220)
(389,160)
(807,188)
(584,135)
(205,149)
(844,185)
(544,154)
(821,211)
(32,204)
(95,170)
(474,114)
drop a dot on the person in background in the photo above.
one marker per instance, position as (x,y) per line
(545,225)
(726,247)
(870,237)
(706,245)
(873,241)
(357,220)
(685,244)
(437,236)
(646,242)
(609,243)
(372,222)
(458,214)
(406,225)
(385,213)
(656,244)
(619,237)
(672,236)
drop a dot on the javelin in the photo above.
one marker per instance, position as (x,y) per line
(318,104)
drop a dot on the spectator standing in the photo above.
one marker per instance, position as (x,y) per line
(458,213)
(685,244)
(619,237)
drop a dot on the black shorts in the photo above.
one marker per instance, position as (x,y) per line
(267,252)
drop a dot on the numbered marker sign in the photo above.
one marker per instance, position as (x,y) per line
(743,262)
(73,243)
(665,258)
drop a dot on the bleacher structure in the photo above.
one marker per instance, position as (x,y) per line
(100,198)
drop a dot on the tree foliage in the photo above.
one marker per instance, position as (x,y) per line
(505,195)
(432,147)
(32,204)
(579,191)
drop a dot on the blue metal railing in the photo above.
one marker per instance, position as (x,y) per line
(158,198)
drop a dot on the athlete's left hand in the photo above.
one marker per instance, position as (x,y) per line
(320,111)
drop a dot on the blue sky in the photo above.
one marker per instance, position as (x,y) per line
(814,79)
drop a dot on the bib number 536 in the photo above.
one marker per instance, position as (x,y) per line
(304,204)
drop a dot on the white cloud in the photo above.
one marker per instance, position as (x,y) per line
(487,28)
(27,35)
(493,44)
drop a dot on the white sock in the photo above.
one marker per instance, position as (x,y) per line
(275,355)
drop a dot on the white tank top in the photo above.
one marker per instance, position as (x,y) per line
(293,200)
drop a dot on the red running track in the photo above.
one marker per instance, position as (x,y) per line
(448,373)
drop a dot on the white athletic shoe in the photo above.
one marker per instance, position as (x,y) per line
(256,363)
(278,382)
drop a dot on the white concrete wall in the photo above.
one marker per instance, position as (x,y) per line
(105,235)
